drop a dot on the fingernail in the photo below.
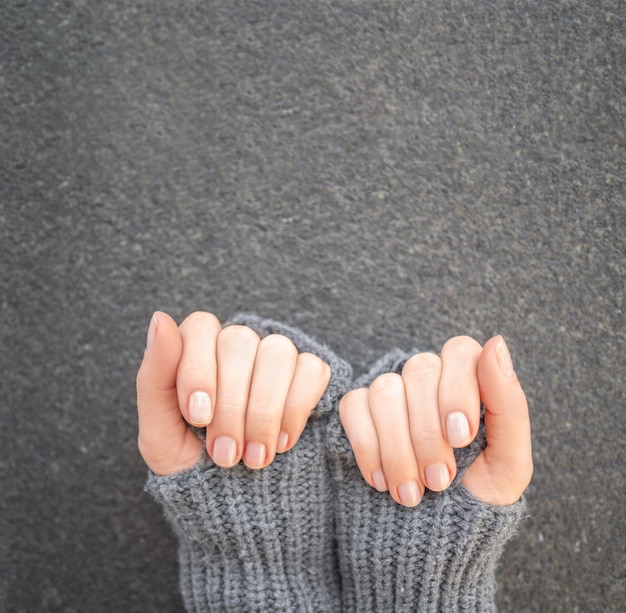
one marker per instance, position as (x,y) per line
(281,445)
(152,331)
(409,494)
(437,476)
(254,455)
(380,483)
(504,359)
(224,451)
(200,408)
(458,429)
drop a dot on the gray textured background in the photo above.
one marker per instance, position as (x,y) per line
(377,173)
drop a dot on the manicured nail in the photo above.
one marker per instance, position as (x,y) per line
(200,409)
(380,483)
(437,476)
(409,494)
(224,451)
(152,331)
(504,359)
(254,455)
(283,440)
(458,429)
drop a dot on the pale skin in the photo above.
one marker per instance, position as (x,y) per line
(254,397)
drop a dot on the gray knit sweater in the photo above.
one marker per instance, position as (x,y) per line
(438,556)
(308,534)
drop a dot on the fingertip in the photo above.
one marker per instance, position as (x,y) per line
(496,374)
(496,353)
(160,329)
(162,353)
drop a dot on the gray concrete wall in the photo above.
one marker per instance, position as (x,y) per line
(379,174)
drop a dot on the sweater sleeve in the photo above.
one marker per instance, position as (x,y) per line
(260,540)
(438,556)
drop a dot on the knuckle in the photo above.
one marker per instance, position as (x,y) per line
(192,373)
(428,442)
(353,401)
(295,412)
(313,364)
(237,333)
(462,345)
(141,446)
(261,431)
(146,450)
(399,457)
(526,472)
(280,345)
(422,366)
(229,408)
(386,386)
(145,383)
(513,483)
(141,380)
(366,443)
(314,368)
(201,318)
(264,408)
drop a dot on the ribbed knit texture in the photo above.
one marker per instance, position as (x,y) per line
(438,556)
(308,534)
(261,540)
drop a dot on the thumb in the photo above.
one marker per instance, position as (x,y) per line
(502,471)
(165,442)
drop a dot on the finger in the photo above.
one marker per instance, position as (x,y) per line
(197,372)
(308,385)
(502,471)
(165,442)
(236,353)
(360,429)
(459,397)
(435,458)
(273,371)
(388,406)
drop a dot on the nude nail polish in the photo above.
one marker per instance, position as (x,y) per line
(281,444)
(152,331)
(224,451)
(254,455)
(200,408)
(380,483)
(437,476)
(504,359)
(458,429)
(409,494)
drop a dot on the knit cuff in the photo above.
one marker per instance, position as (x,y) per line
(254,540)
(260,540)
(438,556)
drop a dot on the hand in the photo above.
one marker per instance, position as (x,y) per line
(253,395)
(404,427)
